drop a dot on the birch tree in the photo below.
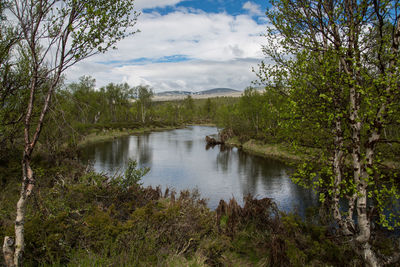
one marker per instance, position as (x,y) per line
(338,61)
(143,95)
(55,35)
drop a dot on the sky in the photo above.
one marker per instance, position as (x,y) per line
(190,45)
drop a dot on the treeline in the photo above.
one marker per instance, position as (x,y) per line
(258,114)
(80,108)
(274,115)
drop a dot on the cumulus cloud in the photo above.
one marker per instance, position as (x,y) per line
(213,50)
(191,75)
(253,8)
(197,35)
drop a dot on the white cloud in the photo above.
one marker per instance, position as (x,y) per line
(197,35)
(191,75)
(253,8)
(142,4)
(222,49)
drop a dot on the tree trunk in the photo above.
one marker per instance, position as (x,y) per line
(13,253)
(143,114)
(8,251)
(337,172)
(368,255)
(26,190)
(361,182)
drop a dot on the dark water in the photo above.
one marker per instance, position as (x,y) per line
(179,159)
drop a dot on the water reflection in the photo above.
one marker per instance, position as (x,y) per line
(180,159)
(143,150)
(188,145)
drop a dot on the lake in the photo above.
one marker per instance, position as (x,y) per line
(179,159)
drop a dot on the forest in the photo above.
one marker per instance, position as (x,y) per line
(329,104)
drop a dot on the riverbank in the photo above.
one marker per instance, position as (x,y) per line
(286,152)
(277,151)
(109,134)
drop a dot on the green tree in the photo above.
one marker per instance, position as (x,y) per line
(85,102)
(54,36)
(118,96)
(143,95)
(209,109)
(345,88)
(252,106)
(189,108)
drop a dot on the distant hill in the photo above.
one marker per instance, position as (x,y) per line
(217,91)
(180,95)
(205,92)
(174,93)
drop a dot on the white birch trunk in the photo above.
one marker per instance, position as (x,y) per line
(26,190)
(337,172)
(8,251)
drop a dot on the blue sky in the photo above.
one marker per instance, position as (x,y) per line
(231,7)
(185,45)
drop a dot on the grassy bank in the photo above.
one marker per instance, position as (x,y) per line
(278,151)
(286,152)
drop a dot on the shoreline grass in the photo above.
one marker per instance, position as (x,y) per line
(276,151)
(285,152)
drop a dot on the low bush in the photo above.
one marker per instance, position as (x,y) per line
(80,218)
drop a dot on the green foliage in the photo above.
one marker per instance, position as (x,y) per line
(143,96)
(132,176)
(341,96)
(257,114)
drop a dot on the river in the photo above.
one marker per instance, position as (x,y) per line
(179,159)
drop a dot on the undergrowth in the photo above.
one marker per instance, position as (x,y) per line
(80,218)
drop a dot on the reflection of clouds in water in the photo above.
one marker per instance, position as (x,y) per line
(179,159)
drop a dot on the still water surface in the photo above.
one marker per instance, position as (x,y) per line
(179,159)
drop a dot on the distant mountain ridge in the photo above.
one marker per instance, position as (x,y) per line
(205,92)
(173,93)
(218,91)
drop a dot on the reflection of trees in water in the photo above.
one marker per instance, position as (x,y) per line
(113,152)
(247,167)
(144,151)
(188,145)
(259,172)
(264,174)
(223,158)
